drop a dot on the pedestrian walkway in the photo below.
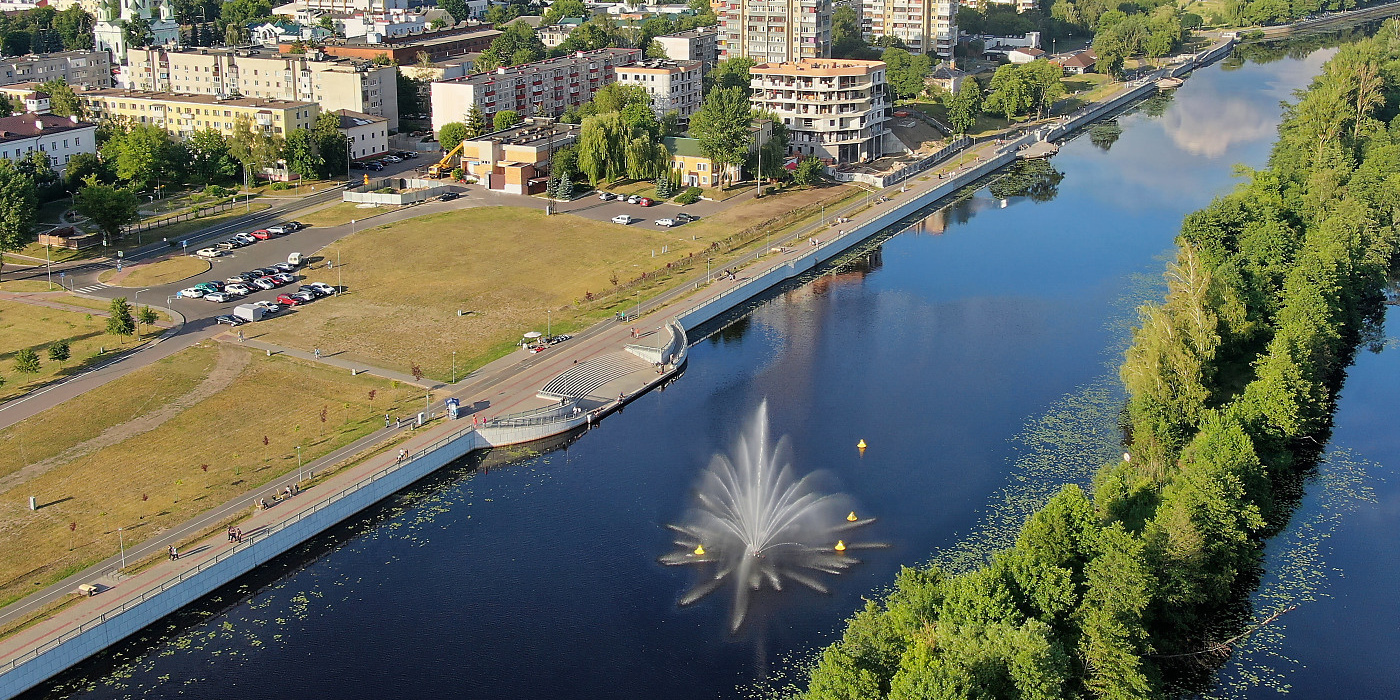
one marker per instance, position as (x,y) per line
(333,359)
(91,288)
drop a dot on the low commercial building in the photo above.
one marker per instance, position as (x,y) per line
(698,44)
(517,160)
(834,109)
(366,135)
(1024,55)
(674,86)
(60,137)
(1077,63)
(947,77)
(359,86)
(89,69)
(694,167)
(182,114)
(542,88)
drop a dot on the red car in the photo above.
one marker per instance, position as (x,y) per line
(261,234)
(288,300)
(646,202)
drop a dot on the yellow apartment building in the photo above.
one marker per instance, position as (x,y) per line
(182,114)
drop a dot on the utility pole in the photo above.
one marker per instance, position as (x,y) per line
(121,541)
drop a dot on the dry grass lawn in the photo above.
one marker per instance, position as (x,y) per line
(24,286)
(157,273)
(164,443)
(341,213)
(37,327)
(509,267)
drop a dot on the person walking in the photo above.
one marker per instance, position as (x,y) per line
(386,420)
(318,353)
(174,554)
(238,535)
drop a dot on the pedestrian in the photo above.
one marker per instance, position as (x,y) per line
(318,353)
(173,554)
(398,423)
(402,454)
(240,336)
(386,420)
(238,534)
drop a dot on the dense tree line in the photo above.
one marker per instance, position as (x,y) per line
(43,29)
(1231,383)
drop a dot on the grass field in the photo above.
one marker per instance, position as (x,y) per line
(162,272)
(29,326)
(513,269)
(341,213)
(38,252)
(984,125)
(28,286)
(164,443)
(103,305)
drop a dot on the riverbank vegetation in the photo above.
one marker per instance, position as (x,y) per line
(1129,591)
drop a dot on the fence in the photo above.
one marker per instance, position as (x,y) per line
(182,216)
(419,190)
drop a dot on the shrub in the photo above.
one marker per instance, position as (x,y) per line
(690,196)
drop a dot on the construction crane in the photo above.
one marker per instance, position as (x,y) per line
(443,167)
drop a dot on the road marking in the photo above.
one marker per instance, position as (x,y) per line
(92,288)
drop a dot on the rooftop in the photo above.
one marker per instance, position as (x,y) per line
(22,126)
(690,33)
(820,66)
(531,134)
(350,119)
(156,96)
(442,36)
(683,146)
(661,65)
(546,63)
(56,54)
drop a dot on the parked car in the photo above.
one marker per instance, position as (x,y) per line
(247,238)
(607,196)
(623,219)
(686,218)
(392,159)
(296,225)
(265,283)
(288,300)
(191,293)
(303,296)
(230,282)
(667,223)
(209,252)
(226,245)
(372,165)
(634,199)
(285,277)
(645,201)
(312,290)
(238,288)
(407,154)
(270,307)
(265,271)
(449,196)
(285,267)
(246,277)
(356,165)
(321,288)
(210,286)
(219,297)
(261,234)
(280,229)
(231,320)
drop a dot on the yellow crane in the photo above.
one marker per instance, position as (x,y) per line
(444,167)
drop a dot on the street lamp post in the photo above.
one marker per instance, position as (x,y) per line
(299,479)
(454,366)
(121,541)
(549,324)
(48,263)
(339,275)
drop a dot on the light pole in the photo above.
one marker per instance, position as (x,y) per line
(121,541)
(48,263)
(454,366)
(339,275)
(549,324)
(299,479)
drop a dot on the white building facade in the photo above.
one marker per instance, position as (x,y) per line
(59,137)
(89,69)
(925,26)
(107,32)
(699,44)
(540,89)
(674,86)
(834,109)
(367,135)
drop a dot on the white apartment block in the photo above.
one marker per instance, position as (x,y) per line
(674,86)
(60,137)
(334,83)
(540,89)
(698,44)
(367,135)
(925,26)
(774,31)
(89,69)
(834,109)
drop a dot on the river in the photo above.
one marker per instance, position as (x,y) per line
(975,354)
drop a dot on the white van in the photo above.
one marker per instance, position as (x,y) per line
(294,259)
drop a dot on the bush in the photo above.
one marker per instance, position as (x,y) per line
(216,191)
(279,186)
(690,196)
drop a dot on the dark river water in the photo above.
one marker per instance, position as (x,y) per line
(975,353)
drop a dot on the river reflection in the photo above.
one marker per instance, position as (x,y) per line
(965,360)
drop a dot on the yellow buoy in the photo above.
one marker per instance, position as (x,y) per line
(700,550)
(860,445)
(852,517)
(840,545)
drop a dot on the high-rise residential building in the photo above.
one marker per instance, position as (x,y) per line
(89,69)
(834,109)
(109,31)
(540,89)
(674,86)
(181,114)
(774,31)
(925,26)
(698,44)
(356,85)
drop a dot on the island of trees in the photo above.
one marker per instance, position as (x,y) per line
(1232,379)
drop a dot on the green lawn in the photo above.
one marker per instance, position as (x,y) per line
(37,327)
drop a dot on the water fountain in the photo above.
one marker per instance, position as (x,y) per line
(755,522)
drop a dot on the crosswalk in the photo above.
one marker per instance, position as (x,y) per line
(92,288)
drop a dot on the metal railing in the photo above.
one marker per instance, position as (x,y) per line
(198,213)
(538,416)
(252,539)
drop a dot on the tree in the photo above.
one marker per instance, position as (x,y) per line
(75,26)
(964,105)
(27,361)
(241,12)
(255,148)
(905,73)
(505,119)
(330,143)
(80,166)
(475,122)
(60,351)
(209,160)
(561,9)
(564,189)
(302,157)
(63,102)
(730,73)
(6,109)
(19,203)
(110,208)
(147,316)
(235,34)
(602,146)
(451,134)
(119,320)
(846,38)
(1010,93)
(136,32)
(1045,81)
(140,154)
(809,171)
(457,8)
(488,61)
(722,127)
(517,44)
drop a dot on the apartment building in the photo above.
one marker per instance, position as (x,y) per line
(366,135)
(674,86)
(540,89)
(359,86)
(27,97)
(834,109)
(89,69)
(925,26)
(182,114)
(405,50)
(774,31)
(699,44)
(60,137)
